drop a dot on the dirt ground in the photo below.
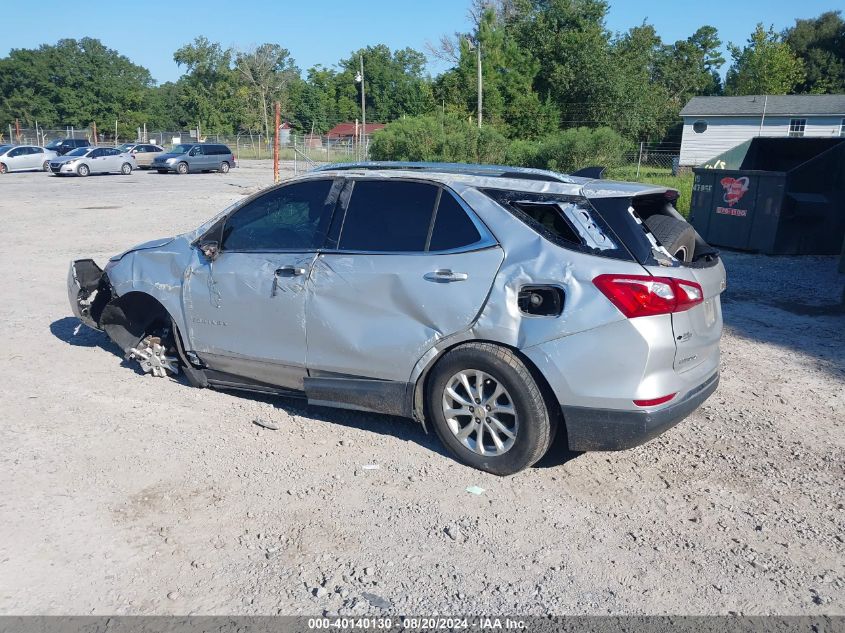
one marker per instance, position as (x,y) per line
(125,494)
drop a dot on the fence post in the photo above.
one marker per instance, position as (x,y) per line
(640,159)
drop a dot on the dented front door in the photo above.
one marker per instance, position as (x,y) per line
(246,315)
(246,309)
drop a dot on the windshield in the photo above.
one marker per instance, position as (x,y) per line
(3,148)
(184,148)
(125,147)
(79,151)
(53,144)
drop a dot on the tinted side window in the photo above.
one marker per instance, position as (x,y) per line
(110,152)
(292,217)
(97,153)
(452,226)
(388,217)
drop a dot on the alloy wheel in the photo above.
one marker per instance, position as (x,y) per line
(480,412)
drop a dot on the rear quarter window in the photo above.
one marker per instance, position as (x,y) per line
(570,222)
(453,228)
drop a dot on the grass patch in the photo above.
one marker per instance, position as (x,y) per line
(657,176)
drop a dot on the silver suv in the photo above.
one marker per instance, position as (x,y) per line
(498,305)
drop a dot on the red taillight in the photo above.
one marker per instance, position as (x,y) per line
(644,295)
(654,401)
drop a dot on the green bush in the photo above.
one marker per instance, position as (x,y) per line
(575,148)
(452,138)
(435,138)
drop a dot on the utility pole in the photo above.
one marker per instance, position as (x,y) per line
(278,108)
(480,81)
(360,78)
(476,46)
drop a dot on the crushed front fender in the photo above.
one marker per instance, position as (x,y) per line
(83,284)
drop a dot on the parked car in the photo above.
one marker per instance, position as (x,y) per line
(93,160)
(495,304)
(24,158)
(63,146)
(144,153)
(189,157)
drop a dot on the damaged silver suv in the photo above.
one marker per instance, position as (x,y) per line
(498,305)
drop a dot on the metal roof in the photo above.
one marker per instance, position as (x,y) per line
(774,105)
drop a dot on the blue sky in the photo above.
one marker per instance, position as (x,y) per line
(323,31)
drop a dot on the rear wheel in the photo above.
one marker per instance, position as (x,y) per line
(3,168)
(676,236)
(488,410)
(182,168)
(83,170)
(224,167)
(126,169)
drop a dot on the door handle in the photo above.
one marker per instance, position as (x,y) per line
(292,271)
(445,275)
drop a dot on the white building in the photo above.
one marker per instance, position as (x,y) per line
(713,125)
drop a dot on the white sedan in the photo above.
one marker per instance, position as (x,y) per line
(24,158)
(93,160)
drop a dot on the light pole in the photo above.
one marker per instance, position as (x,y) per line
(359,78)
(476,46)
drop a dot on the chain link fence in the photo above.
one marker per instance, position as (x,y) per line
(309,148)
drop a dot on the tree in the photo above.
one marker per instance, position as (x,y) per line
(268,71)
(690,67)
(820,44)
(396,83)
(766,65)
(508,73)
(74,82)
(208,91)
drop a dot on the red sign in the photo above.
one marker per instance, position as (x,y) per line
(735,188)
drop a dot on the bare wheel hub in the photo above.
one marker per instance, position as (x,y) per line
(153,358)
(480,412)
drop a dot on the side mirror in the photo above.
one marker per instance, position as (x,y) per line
(210,249)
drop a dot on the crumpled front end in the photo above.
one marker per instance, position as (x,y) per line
(86,291)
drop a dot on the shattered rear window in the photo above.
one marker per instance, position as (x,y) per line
(568,221)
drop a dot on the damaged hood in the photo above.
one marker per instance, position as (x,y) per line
(145,246)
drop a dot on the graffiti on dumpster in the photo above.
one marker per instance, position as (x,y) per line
(735,188)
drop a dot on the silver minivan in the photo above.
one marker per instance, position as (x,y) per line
(498,305)
(195,157)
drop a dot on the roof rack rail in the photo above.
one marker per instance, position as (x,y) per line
(492,171)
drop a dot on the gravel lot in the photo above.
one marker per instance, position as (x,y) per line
(125,494)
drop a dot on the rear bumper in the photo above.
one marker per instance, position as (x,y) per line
(590,429)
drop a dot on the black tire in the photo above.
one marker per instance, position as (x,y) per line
(45,166)
(83,170)
(3,168)
(676,236)
(535,428)
(126,169)
(224,167)
(182,168)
